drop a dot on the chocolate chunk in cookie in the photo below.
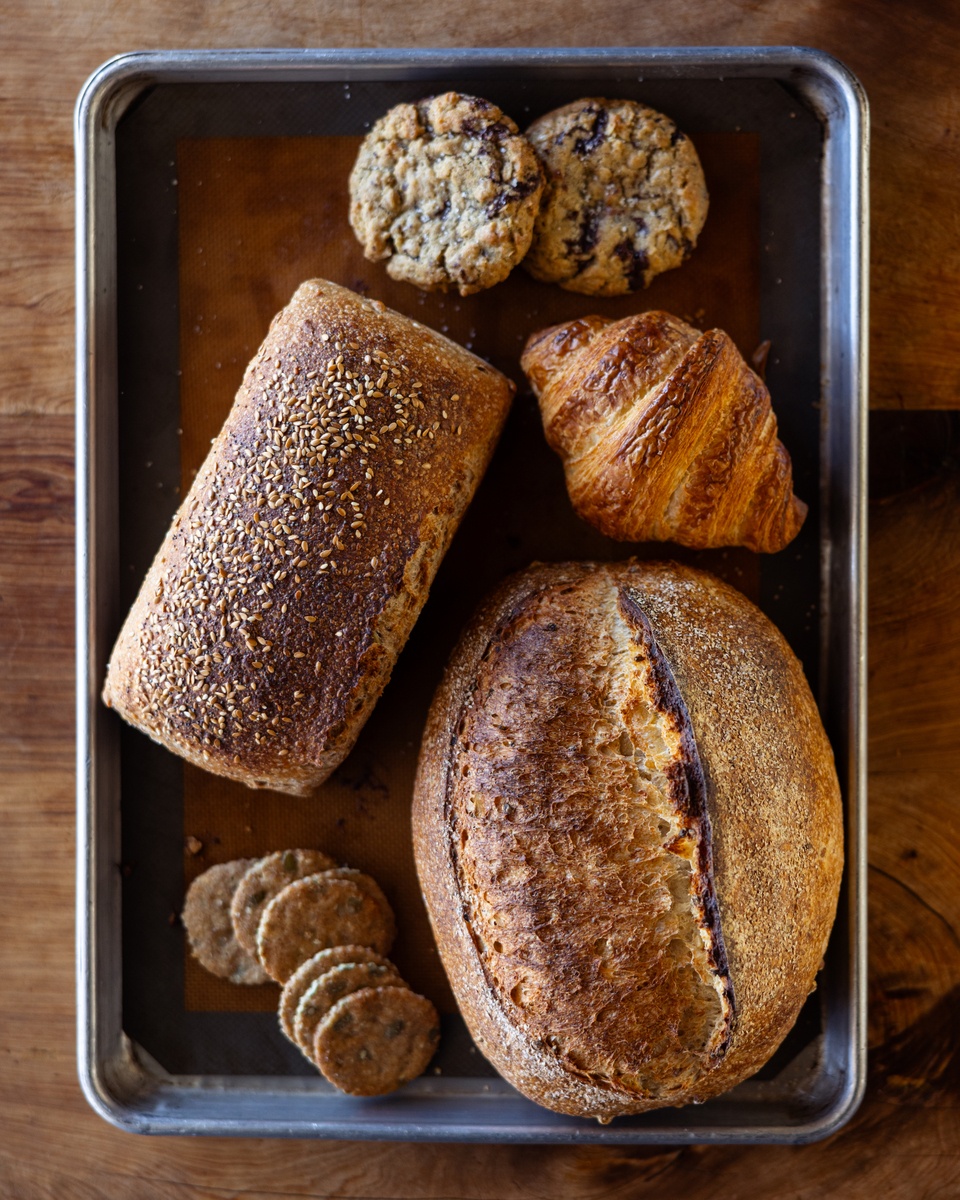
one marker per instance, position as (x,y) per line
(312,969)
(314,914)
(325,991)
(206,918)
(625,198)
(262,882)
(446,190)
(374,1040)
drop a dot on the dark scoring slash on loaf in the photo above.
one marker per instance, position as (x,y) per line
(578,867)
(689,785)
(619,758)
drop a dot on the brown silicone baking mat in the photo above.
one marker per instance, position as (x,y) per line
(248,218)
(257,216)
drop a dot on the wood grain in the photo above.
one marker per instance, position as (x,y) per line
(905,1142)
(903,52)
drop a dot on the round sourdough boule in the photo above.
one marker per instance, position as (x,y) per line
(324,993)
(374,1040)
(314,914)
(262,882)
(446,190)
(628,833)
(625,197)
(312,969)
(206,918)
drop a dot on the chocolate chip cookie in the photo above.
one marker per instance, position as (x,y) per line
(625,197)
(446,190)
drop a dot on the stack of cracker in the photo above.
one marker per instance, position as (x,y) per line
(322,932)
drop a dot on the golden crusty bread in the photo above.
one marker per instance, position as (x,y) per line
(665,433)
(627,826)
(296,566)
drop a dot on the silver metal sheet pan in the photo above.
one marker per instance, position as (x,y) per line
(817,229)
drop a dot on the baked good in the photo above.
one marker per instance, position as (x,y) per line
(273,612)
(627,827)
(324,992)
(319,964)
(206,918)
(315,913)
(665,433)
(625,197)
(260,884)
(374,1040)
(446,190)
(366,883)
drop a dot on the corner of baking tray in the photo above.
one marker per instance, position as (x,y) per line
(109,91)
(830,84)
(112,1085)
(838,1114)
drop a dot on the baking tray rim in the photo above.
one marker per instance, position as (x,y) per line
(117,1077)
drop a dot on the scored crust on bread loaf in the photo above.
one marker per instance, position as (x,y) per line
(293,572)
(627,828)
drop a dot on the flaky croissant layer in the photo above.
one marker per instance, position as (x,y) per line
(665,433)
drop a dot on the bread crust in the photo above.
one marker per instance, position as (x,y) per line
(664,432)
(275,609)
(773,828)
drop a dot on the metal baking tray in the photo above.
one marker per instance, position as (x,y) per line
(809,115)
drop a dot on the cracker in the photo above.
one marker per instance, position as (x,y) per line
(371,887)
(314,914)
(374,1040)
(324,992)
(312,969)
(206,918)
(263,881)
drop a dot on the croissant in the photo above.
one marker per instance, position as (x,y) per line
(665,433)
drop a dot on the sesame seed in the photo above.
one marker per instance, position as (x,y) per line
(291,465)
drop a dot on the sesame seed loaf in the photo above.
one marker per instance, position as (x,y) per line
(627,826)
(293,572)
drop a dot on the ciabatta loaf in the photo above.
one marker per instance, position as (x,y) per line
(627,826)
(273,613)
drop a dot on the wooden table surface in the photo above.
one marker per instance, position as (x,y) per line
(905,1140)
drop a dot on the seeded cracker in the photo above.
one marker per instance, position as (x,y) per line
(369,885)
(323,994)
(376,1039)
(446,190)
(626,197)
(314,914)
(262,882)
(312,969)
(206,918)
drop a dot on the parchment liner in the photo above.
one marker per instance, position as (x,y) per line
(257,216)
